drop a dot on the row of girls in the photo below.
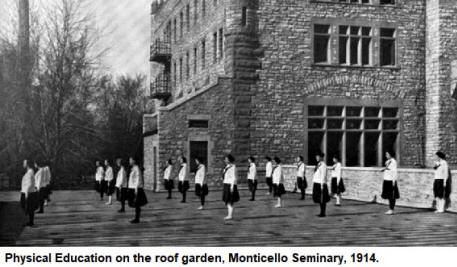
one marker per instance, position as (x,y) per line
(321,194)
(35,189)
(129,188)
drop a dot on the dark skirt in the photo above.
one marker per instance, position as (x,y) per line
(230,197)
(389,190)
(201,190)
(337,188)
(448,189)
(438,188)
(269,181)
(46,191)
(31,203)
(302,184)
(278,190)
(320,195)
(101,186)
(42,195)
(252,184)
(168,184)
(111,187)
(136,200)
(183,186)
(121,194)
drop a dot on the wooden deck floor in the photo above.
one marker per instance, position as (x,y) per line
(80,219)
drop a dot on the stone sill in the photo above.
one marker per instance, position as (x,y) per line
(394,68)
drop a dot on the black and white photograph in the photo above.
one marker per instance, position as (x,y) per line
(228,123)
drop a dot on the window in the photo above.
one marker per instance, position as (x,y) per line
(221,44)
(188,17)
(197,149)
(203,8)
(359,135)
(175,29)
(354,45)
(195,12)
(180,70)
(321,43)
(203,55)
(387,47)
(387,2)
(215,47)
(187,66)
(244,16)
(198,123)
(181,25)
(195,60)
(175,75)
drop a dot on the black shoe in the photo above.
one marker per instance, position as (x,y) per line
(251,199)
(321,215)
(183,201)
(168,197)
(121,211)
(134,221)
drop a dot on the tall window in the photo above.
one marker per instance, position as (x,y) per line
(187,66)
(215,47)
(198,149)
(321,43)
(175,30)
(195,12)
(188,17)
(354,45)
(204,8)
(244,16)
(195,60)
(180,70)
(359,135)
(175,75)
(203,55)
(181,24)
(221,44)
(387,47)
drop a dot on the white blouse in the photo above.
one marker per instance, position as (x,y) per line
(100,174)
(278,177)
(442,170)
(121,179)
(182,176)
(252,174)
(167,173)
(301,170)
(269,169)
(230,175)
(200,175)
(109,175)
(46,176)
(336,171)
(40,178)
(135,179)
(28,182)
(390,173)
(320,174)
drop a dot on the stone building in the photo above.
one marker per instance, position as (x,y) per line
(289,77)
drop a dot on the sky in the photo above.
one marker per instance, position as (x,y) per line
(125,28)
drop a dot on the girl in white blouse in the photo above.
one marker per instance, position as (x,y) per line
(278,181)
(337,184)
(230,192)
(183,179)
(100,179)
(389,187)
(137,196)
(302,184)
(201,188)
(269,174)
(320,188)
(121,184)
(110,182)
(441,187)
(29,198)
(252,177)
(167,180)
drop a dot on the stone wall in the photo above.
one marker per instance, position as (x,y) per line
(365,184)
(288,76)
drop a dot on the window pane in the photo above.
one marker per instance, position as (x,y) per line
(343,29)
(390,124)
(198,149)
(372,112)
(321,49)
(390,112)
(198,124)
(387,54)
(315,140)
(353,149)
(319,28)
(355,30)
(353,111)
(366,31)
(354,51)
(371,124)
(343,50)
(334,146)
(353,124)
(335,124)
(335,111)
(316,123)
(315,111)
(389,143)
(386,32)
(371,149)
(366,44)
